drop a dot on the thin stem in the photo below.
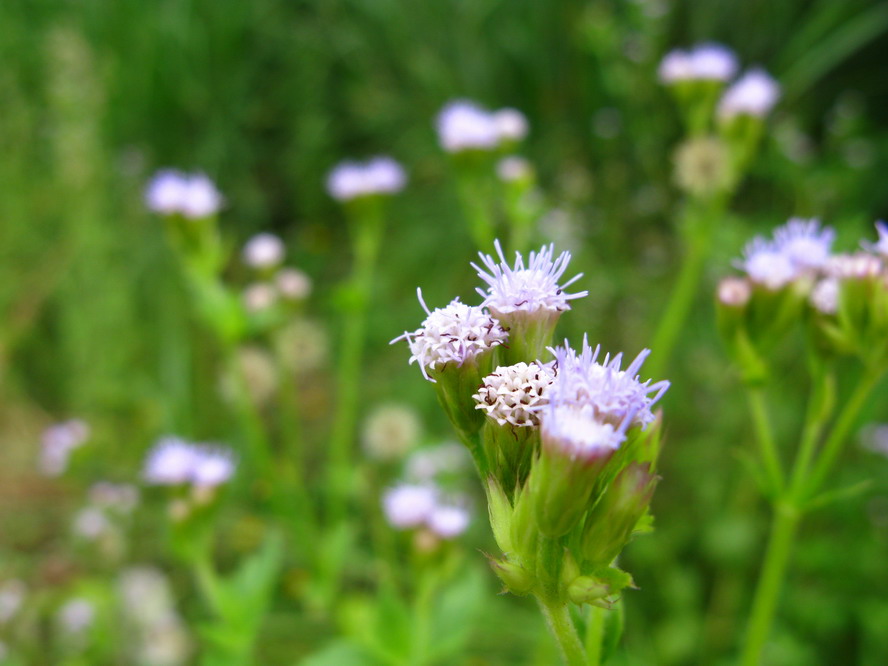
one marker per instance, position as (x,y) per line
(595,634)
(840,431)
(557,616)
(783,528)
(815,420)
(250,420)
(765,437)
(677,309)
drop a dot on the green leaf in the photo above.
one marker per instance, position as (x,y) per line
(339,653)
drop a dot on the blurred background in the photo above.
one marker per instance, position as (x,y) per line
(266,97)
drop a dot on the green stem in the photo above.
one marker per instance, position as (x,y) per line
(841,430)
(680,302)
(595,634)
(783,528)
(819,408)
(250,420)
(557,616)
(765,438)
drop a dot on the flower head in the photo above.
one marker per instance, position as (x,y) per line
(511,124)
(409,505)
(804,243)
(514,169)
(448,521)
(192,195)
(753,94)
(263,251)
(527,289)
(825,296)
(858,266)
(767,265)
(292,284)
(57,443)
(212,466)
(734,292)
(390,431)
(453,334)
(613,395)
(881,245)
(513,394)
(705,62)
(576,431)
(379,175)
(462,125)
(170,462)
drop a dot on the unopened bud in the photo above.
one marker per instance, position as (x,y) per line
(516,578)
(585,589)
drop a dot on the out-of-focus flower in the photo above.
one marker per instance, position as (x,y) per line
(58,441)
(174,461)
(704,62)
(390,431)
(191,195)
(453,334)
(753,94)
(448,522)
(857,266)
(263,251)
(462,125)
(766,265)
(425,464)
(302,345)
(12,597)
(825,296)
(514,394)
(734,292)
(122,497)
(76,616)
(213,466)
(407,506)
(514,169)
(511,124)
(257,371)
(259,296)
(379,175)
(292,284)
(702,166)
(804,243)
(91,523)
(881,245)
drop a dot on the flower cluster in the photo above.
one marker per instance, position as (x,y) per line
(264,253)
(847,293)
(463,125)
(379,175)
(411,506)
(193,196)
(173,462)
(57,444)
(544,434)
(704,62)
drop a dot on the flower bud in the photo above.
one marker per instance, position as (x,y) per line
(611,522)
(586,589)
(515,577)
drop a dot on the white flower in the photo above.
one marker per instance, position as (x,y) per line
(259,296)
(858,266)
(448,521)
(191,195)
(212,466)
(705,62)
(200,198)
(526,289)
(453,334)
(292,284)
(91,523)
(753,94)
(390,431)
(166,191)
(57,443)
(379,175)
(825,296)
(428,463)
(804,243)
(767,265)
(263,251)
(121,497)
(734,292)
(511,124)
(881,245)
(575,430)
(462,125)
(513,169)
(513,394)
(12,597)
(408,506)
(170,462)
(76,616)
(615,396)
